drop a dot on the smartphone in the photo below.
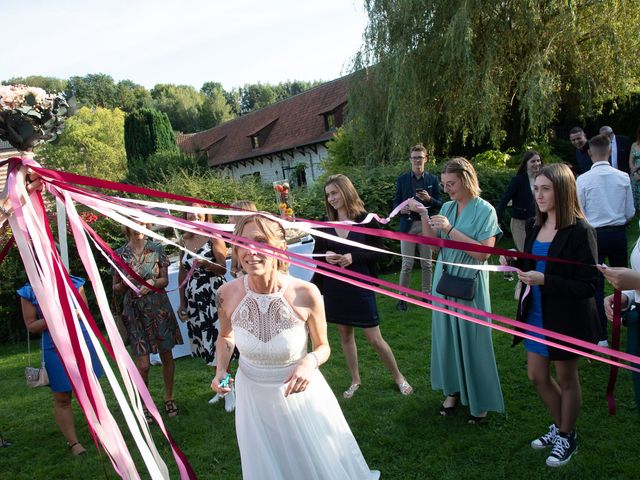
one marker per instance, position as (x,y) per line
(420,190)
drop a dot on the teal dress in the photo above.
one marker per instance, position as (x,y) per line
(462,358)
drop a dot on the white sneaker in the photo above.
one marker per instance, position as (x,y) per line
(603,343)
(215,399)
(230,400)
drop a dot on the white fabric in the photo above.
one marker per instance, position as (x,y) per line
(304,435)
(605,195)
(614,153)
(634,295)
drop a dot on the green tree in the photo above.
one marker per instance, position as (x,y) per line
(181,103)
(214,109)
(131,96)
(49,84)
(146,132)
(255,96)
(92,144)
(457,71)
(93,90)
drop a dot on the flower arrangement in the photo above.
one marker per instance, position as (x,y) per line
(282,198)
(30,116)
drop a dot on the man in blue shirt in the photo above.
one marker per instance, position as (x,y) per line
(424,187)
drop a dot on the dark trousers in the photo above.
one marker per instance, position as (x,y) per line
(612,245)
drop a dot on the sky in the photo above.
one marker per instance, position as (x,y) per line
(190,42)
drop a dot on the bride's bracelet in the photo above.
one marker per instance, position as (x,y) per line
(317,360)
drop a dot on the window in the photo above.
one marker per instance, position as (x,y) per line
(255,142)
(329,122)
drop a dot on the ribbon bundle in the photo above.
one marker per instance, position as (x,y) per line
(45,270)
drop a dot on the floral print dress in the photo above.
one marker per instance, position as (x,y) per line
(150,320)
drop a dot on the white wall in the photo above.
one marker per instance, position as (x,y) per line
(272,170)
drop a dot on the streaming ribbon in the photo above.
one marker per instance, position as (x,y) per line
(44,263)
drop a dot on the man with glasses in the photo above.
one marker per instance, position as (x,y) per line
(425,188)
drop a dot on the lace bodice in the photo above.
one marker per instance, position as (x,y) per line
(267,330)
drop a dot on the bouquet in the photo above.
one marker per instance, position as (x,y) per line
(283,199)
(30,116)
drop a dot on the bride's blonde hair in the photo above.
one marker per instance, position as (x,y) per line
(272,230)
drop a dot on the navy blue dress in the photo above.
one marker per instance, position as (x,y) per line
(347,304)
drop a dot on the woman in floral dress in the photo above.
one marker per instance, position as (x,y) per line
(148,315)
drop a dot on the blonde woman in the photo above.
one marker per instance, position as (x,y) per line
(463,362)
(288,422)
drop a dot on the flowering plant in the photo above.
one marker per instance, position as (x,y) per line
(29,115)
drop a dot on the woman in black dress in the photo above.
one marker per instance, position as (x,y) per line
(346,305)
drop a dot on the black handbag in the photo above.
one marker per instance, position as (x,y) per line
(458,287)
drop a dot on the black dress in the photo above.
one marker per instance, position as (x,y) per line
(344,303)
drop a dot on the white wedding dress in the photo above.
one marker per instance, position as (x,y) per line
(304,435)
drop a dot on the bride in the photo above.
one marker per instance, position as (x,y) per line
(288,422)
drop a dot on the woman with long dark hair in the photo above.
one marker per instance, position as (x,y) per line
(520,194)
(562,299)
(349,306)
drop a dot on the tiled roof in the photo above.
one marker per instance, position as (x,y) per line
(294,122)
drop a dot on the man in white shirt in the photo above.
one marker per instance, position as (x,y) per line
(606,198)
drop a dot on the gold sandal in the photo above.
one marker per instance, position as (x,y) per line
(77,449)
(348,393)
(405,388)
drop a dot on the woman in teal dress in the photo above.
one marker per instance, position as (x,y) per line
(463,363)
(148,316)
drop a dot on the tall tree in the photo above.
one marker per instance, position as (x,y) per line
(131,96)
(181,103)
(444,71)
(256,95)
(146,132)
(214,109)
(93,90)
(92,144)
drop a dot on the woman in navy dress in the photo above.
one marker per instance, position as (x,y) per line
(346,305)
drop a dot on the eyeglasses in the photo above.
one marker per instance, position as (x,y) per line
(448,184)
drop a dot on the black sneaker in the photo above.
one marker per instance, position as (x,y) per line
(546,440)
(563,449)
(401,306)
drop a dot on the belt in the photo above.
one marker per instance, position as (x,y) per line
(612,228)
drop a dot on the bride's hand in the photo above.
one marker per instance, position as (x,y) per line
(299,379)
(215,384)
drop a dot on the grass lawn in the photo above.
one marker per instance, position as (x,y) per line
(405,438)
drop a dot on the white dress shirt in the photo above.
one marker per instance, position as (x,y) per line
(634,295)
(605,195)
